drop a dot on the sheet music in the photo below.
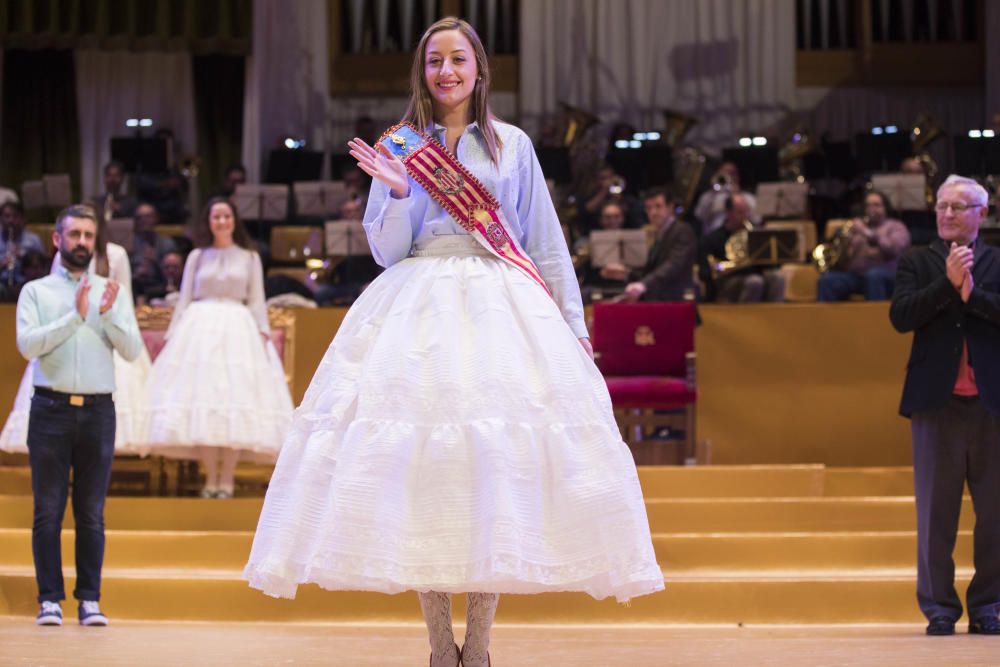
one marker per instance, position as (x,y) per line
(618,246)
(261,202)
(319,198)
(346,238)
(782,200)
(906,192)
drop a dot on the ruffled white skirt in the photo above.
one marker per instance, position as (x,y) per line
(217,384)
(130,407)
(456,437)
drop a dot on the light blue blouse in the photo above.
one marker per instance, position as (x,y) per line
(394,226)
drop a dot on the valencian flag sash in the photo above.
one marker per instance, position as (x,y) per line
(459,192)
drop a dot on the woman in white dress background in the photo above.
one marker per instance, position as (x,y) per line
(111,261)
(217,390)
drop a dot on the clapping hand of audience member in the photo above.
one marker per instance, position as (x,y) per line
(83,295)
(967,285)
(959,265)
(108,297)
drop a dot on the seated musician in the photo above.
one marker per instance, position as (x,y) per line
(738,284)
(605,281)
(871,246)
(667,273)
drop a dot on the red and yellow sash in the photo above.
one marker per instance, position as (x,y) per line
(460,193)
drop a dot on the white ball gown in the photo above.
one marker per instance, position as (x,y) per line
(456,437)
(216,383)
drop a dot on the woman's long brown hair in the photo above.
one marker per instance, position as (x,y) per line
(420,110)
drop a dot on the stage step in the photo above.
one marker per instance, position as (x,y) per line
(670,481)
(675,515)
(738,544)
(738,598)
(682,552)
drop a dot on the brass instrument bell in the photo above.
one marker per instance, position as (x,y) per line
(577,121)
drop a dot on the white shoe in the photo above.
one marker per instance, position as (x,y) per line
(50,613)
(90,613)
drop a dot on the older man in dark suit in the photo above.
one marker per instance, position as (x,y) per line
(948,295)
(667,275)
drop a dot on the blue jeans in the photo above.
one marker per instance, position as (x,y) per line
(62,437)
(876,284)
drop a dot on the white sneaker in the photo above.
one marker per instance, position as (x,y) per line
(50,613)
(90,613)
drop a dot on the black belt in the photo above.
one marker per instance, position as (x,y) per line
(77,400)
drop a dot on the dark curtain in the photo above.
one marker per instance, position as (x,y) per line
(40,127)
(218,94)
(199,26)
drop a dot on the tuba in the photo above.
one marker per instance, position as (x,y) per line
(677,125)
(575,123)
(799,144)
(689,163)
(926,130)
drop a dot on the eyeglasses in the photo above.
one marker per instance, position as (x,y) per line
(957,207)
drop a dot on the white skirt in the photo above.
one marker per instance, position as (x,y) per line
(216,384)
(456,437)
(130,407)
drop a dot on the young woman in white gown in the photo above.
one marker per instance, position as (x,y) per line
(111,261)
(457,436)
(217,390)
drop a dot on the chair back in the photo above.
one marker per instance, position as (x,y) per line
(643,338)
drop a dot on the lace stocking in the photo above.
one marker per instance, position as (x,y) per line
(227,475)
(482,610)
(210,461)
(436,608)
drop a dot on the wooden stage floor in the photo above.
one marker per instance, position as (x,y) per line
(151,644)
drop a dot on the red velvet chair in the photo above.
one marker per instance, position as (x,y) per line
(646,353)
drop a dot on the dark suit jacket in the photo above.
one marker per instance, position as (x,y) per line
(667,273)
(926,303)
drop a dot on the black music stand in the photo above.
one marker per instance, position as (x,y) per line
(770,247)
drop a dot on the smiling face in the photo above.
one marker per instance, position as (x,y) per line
(960,212)
(449,70)
(222,222)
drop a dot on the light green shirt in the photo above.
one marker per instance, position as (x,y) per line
(74,354)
